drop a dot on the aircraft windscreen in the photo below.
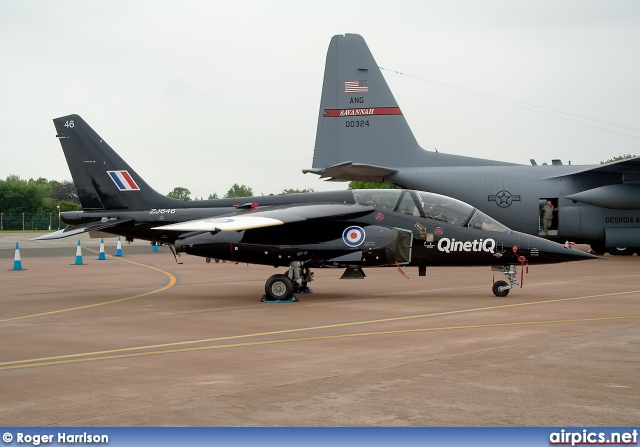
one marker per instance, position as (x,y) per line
(445,208)
(384,198)
(458,213)
(481,221)
(435,206)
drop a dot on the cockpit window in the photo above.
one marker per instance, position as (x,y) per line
(408,206)
(481,221)
(383,198)
(434,206)
(445,208)
(458,213)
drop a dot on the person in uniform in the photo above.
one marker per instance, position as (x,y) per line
(547,218)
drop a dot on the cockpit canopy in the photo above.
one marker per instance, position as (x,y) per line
(430,206)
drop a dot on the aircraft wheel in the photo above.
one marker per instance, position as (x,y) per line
(497,292)
(622,251)
(208,260)
(279,287)
(619,251)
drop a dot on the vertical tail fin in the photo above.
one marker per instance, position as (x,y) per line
(103,179)
(359,119)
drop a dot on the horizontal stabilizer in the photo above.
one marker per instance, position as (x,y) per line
(353,171)
(268,218)
(79,229)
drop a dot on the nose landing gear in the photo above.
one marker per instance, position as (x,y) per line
(501,288)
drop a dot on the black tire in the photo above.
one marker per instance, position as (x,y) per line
(622,251)
(616,251)
(208,260)
(278,287)
(497,292)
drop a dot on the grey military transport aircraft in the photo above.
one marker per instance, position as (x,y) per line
(347,229)
(363,135)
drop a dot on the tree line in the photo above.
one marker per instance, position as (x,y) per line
(42,196)
(618,158)
(37,195)
(236,190)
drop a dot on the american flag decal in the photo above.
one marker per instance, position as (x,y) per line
(123,181)
(356,86)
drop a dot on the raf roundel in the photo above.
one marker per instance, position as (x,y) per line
(353,236)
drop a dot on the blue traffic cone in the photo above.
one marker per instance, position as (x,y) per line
(17,263)
(78,255)
(119,248)
(101,255)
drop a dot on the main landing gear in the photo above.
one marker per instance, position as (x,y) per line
(501,288)
(281,288)
(600,249)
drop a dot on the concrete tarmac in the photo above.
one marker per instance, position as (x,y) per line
(143,341)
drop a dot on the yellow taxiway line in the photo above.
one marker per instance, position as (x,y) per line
(172,282)
(158,348)
(113,354)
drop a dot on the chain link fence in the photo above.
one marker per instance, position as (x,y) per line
(30,221)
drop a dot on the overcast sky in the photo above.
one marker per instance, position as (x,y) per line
(204,94)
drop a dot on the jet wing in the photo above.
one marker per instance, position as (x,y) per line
(79,229)
(613,168)
(272,217)
(348,171)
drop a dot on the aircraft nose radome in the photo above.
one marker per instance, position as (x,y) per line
(550,251)
(573,254)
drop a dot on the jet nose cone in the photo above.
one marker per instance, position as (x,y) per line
(542,251)
(574,254)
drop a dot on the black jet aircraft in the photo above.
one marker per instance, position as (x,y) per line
(363,135)
(347,229)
